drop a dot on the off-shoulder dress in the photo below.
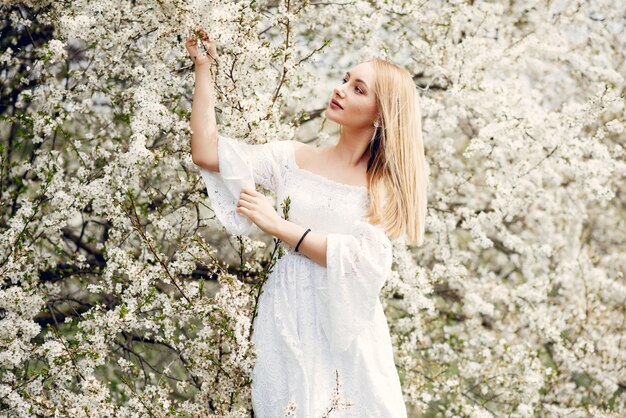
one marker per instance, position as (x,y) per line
(314,324)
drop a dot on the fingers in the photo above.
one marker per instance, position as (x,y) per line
(202,33)
(246,197)
(243,203)
(192,48)
(197,33)
(197,38)
(242,210)
(192,35)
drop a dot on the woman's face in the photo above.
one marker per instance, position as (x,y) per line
(356,98)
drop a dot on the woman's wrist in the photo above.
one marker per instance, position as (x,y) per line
(207,64)
(206,71)
(206,68)
(277,231)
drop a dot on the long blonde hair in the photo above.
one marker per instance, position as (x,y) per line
(397,171)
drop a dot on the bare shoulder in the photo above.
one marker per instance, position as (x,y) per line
(305,154)
(298,148)
(297,145)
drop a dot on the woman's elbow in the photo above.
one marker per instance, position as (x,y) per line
(210,164)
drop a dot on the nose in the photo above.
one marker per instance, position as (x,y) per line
(339,92)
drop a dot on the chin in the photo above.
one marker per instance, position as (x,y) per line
(329,115)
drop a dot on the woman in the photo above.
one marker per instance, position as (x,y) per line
(320,327)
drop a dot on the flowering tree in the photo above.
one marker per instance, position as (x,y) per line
(121,296)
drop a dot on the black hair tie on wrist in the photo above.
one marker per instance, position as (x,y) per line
(303,235)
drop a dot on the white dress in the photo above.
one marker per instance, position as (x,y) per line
(315,325)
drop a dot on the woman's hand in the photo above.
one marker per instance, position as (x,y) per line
(207,53)
(256,207)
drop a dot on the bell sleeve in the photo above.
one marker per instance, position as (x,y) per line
(241,165)
(357,266)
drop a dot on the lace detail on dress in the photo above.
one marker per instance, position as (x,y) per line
(242,165)
(358,264)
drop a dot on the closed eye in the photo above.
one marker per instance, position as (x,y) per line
(356,88)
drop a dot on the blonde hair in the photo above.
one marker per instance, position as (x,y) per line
(397,171)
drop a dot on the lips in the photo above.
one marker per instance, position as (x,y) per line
(336,103)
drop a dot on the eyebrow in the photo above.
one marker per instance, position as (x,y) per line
(358,79)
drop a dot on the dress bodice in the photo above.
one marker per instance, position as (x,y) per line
(318,202)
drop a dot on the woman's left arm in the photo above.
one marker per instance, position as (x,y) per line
(256,207)
(313,245)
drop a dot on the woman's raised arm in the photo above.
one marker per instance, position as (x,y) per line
(203,123)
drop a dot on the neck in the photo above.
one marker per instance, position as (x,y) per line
(353,146)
